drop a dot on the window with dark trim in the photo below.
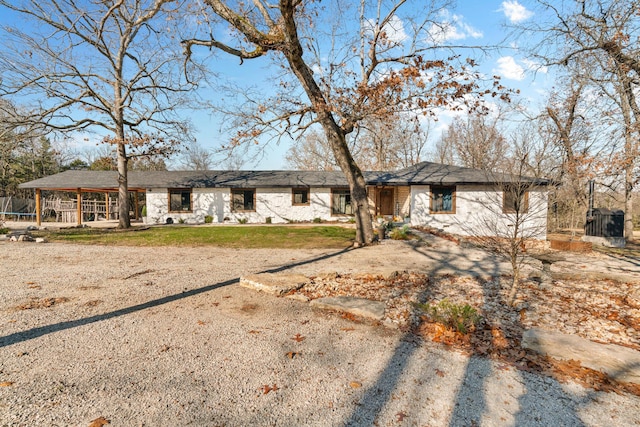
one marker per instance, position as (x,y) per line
(515,199)
(443,199)
(300,196)
(243,200)
(341,202)
(180,200)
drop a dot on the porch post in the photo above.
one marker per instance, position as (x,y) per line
(106,198)
(135,204)
(38,209)
(79,207)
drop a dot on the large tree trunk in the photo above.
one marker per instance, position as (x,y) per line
(123,187)
(357,183)
(336,136)
(628,203)
(629,109)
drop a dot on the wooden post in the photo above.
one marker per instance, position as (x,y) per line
(79,207)
(135,204)
(106,198)
(38,209)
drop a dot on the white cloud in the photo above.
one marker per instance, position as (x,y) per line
(535,66)
(394,30)
(509,68)
(452,27)
(515,12)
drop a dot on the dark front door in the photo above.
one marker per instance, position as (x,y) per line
(385,201)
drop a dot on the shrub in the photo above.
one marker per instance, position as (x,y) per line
(242,220)
(144,210)
(268,220)
(181,220)
(399,233)
(317,220)
(208,219)
(459,317)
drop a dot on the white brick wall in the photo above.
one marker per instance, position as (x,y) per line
(478,211)
(270,202)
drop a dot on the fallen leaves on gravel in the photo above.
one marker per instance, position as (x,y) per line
(99,422)
(41,303)
(603,311)
(292,354)
(93,303)
(6,384)
(267,388)
(298,338)
(355,384)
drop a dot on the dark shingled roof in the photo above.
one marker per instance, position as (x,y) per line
(423,173)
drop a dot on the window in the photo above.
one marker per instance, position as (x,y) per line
(515,199)
(300,196)
(180,200)
(443,199)
(341,202)
(243,200)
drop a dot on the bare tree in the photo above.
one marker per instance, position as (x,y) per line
(572,122)
(516,209)
(196,157)
(109,67)
(311,152)
(389,145)
(604,34)
(382,68)
(25,153)
(393,143)
(474,141)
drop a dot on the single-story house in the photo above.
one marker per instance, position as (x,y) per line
(456,199)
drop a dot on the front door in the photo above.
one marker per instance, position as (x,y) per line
(385,201)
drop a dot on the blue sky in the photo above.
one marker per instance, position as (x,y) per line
(481,23)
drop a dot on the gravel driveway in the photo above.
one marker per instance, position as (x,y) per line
(166,337)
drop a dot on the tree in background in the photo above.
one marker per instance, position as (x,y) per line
(382,64)
(311,152)
(573,123)
(603,34)
(474,141)
(196,157)
(25,154)
(379,145)
(112,67)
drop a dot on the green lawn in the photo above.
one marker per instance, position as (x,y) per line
(245,236)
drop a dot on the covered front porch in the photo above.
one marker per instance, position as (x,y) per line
(102,205)
(390,201)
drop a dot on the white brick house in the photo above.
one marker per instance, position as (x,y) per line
(454,199)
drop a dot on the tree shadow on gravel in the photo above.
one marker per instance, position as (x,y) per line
(496,346)
(542,401)
(40,331)
(376,397)
(493,348)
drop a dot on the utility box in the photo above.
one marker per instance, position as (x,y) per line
(605,226)
(603,222)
